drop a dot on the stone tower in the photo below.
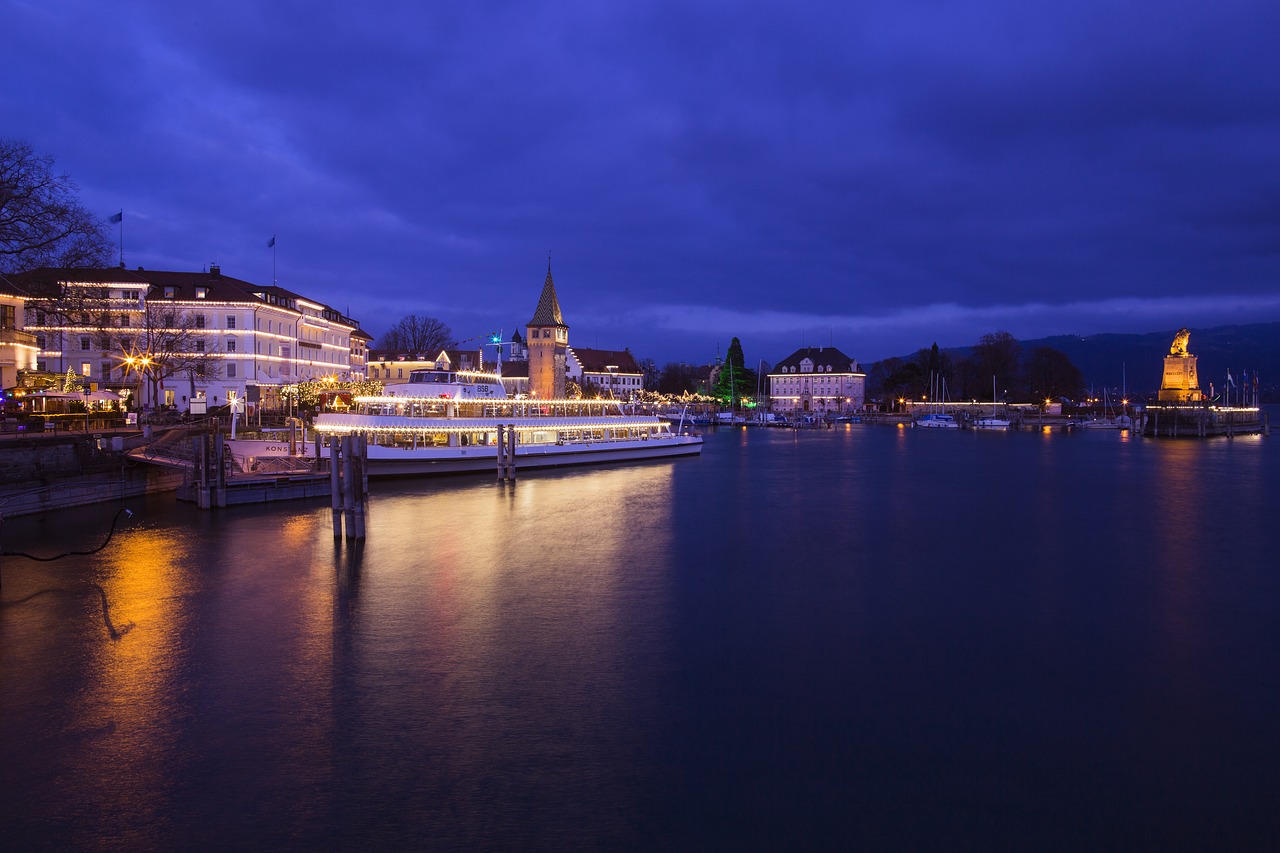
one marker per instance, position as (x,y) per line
(548,342)
(1180,383)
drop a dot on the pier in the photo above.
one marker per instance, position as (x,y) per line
(1173,421)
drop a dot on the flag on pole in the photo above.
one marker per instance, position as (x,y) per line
(1230,381)
(117,217)
(271,244)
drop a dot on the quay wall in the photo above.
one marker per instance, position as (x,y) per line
(49,473)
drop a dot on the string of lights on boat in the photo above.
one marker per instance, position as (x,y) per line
(335,423)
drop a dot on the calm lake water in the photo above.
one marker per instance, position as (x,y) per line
(868,637)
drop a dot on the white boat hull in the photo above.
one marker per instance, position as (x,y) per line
(402,462)
(248,451)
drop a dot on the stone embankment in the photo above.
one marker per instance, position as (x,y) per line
(40,473)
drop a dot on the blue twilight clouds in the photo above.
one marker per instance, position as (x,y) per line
(877,175)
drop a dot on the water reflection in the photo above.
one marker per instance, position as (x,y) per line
(891,623)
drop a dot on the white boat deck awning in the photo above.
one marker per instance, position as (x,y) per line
(392,423)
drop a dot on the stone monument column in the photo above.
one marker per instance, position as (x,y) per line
(1180,383)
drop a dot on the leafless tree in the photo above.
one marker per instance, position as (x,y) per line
(42,223)
(166,343)
(415,334)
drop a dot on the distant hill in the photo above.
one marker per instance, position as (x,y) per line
(1137,360)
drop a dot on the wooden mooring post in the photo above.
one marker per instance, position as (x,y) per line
(210,474)
(506,452)
(349,483)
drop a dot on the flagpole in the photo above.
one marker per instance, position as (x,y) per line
(118,219)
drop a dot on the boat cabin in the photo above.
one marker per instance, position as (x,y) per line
(454,384)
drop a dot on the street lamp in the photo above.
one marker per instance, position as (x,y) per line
(140,365)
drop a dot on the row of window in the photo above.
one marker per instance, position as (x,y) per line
(109,370)
(819,368)
(610,379)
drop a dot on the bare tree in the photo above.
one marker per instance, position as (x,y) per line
(42,223)
(168,343)
(416,334)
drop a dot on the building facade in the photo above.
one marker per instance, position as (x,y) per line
(612,373)
(393,368)
(820,380)
(173,338)
(18,350)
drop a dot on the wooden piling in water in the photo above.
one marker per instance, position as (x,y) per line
(359,485)
(502,452)
(335,484)
(348,487)
(511,452)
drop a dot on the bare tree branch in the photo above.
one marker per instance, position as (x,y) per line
(42,223)
(425,335)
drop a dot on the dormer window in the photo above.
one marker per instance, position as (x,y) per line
(170,292)
(202,292)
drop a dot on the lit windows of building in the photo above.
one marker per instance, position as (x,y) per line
(819,380)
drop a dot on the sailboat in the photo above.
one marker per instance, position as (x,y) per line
(937,418)
(993,421)
(1108,420)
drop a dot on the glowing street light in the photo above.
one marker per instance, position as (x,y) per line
(141,366)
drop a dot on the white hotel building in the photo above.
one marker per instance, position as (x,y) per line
(819,380)
(257,338)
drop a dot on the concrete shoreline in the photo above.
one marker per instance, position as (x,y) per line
(44,472)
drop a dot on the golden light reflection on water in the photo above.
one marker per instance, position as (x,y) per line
(129,703)
(1176,553)
(511,598)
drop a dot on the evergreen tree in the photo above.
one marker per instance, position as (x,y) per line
(734,383)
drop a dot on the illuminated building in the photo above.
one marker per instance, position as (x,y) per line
(548,342)
(255,339)
(614,374)
(817,379)
(17,346)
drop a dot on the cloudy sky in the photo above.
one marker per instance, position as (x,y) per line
(876,175)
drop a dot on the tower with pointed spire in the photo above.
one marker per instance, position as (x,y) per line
(548,342)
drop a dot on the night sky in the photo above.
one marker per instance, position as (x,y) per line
(874,175)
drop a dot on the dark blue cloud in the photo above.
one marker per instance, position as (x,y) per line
(883,173)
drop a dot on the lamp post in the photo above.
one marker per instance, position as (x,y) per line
(85,390)
(140,365)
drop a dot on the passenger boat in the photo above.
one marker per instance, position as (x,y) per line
(448,421)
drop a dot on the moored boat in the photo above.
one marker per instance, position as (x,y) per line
(937,420)
(445,421)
